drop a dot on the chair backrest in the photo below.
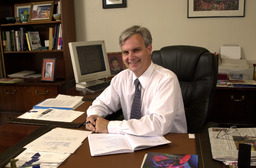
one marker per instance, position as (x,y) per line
(196,69)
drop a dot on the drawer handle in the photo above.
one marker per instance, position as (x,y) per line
(232,97)
(10,93)
(46,92)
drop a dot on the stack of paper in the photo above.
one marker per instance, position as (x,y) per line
(225,143)
(61,102)
(52,148)
(52,115)
(21,74)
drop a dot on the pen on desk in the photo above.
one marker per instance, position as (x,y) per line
(45,112)
(87,122)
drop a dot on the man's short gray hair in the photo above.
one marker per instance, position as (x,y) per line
(144,32)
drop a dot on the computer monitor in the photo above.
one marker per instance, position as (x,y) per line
(90,62)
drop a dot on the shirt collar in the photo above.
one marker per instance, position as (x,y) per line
(144,78)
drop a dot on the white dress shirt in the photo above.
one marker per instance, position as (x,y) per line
(162,106)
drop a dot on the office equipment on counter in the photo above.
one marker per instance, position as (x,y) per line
(230,52)
(90,63)
(107,144)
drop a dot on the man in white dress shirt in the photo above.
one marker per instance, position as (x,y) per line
(162,109)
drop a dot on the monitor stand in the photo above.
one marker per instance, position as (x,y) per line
(83,85)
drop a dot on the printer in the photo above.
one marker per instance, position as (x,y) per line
(232,64)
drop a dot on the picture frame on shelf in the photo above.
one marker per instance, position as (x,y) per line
(21,9)
(220,8)
(116,64)
(114,4)
(48,69)
(41,11)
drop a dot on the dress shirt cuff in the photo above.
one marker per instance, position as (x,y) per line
(114,127)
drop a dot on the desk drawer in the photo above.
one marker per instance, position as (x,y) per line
(23,98)
(234,106)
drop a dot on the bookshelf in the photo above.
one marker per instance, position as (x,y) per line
(23,95)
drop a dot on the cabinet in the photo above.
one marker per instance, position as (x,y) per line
(22,96)
(234,105)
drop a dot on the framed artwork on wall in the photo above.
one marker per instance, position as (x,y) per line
(48,69)
(216,8)
(114,4)
(41,11)
(21,9)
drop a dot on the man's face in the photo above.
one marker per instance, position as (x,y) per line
(136,56)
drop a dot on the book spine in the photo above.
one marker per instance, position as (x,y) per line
(17,38)
(4,40)
(60,42)
(55,37)
(28,42)
(13,40)
(50,38)
(8,41)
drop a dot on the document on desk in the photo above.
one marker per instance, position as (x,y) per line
(52,115)
(61,140)
(61,102)
(44,159)
(225,142)
(106,144)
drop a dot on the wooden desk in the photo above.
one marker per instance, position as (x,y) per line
(12,133)
(181,144)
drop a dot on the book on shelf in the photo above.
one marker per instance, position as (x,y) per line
(21,74)
(55,37)
(17,40)
(34,40)
(60,42)
(106,144)
(50,38)
(13,40)
(28,42)
(162,160)
(4,40)
(8,41)
(10,80)
(65,102)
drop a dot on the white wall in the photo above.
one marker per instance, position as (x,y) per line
(167,20)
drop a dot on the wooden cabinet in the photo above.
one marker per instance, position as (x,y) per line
(22,96)
(234,105)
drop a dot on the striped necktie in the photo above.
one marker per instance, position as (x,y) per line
(136,105)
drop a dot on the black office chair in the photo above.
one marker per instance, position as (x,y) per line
(196,69)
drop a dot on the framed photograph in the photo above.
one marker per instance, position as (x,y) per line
(41,11)
(21,9)
(48,69)
(114,4)
(116,64)
(216,8)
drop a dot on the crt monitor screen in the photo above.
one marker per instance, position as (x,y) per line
(89,60)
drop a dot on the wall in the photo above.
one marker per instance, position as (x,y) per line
(168,23)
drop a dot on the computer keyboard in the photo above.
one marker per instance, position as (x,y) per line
(99,87)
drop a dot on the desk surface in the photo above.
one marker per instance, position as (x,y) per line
(12,134)
(181,144)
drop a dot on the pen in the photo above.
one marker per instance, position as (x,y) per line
(87,122)
(45,112)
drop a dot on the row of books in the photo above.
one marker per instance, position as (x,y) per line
(22,40)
